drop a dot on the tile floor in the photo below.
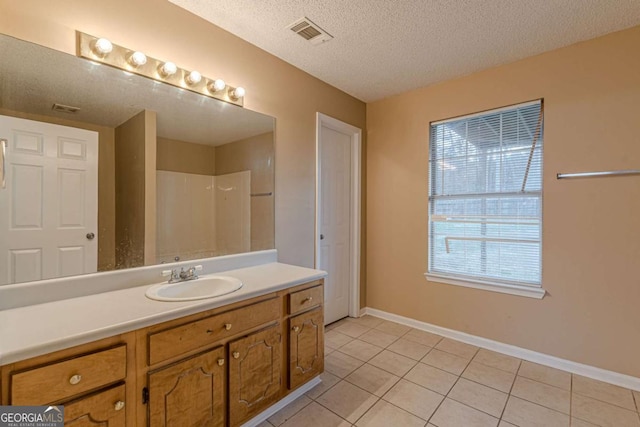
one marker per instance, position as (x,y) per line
(383,374)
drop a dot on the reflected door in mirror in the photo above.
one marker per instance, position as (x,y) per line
(48,206)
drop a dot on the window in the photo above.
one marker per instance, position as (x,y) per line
(485,200)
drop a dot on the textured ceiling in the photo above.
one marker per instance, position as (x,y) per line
(384,47)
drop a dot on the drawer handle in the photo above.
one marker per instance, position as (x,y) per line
(75,379)
(236,355)
(220,362)
(296,329)
(308,299)
(119,405)
(227,326)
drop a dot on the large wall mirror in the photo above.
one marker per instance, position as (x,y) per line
(104,170)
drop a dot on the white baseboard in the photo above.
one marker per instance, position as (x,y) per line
(262,416)
(611,377)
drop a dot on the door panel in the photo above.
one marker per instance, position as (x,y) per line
(104,409)
(255,373)
(190,392)
(306,347)
(49,203)
(335,210)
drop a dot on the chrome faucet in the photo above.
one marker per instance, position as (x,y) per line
(182,275)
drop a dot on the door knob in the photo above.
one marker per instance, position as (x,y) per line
(322,237)
(90,236)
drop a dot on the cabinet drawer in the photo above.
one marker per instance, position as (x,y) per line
(106,408)
(191,336)
(58,381)
(302,300)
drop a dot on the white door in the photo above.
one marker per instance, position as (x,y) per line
(334,219)
(49,201)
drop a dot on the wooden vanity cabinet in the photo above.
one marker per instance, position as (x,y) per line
(106,408)
(92,381)
(255,374)
(190,392)
(306,347)
(216,368)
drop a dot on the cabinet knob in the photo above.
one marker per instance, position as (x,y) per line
(220,362)
(296,329)
(227,326)
(119,405)
(236,355)
(308,299)
(75,379)
(209,331)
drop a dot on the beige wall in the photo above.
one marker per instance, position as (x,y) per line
(274,87)
(591,230)
(186,157)
(106,183)
(254,154)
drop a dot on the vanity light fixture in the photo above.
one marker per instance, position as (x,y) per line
(217,85)
(137,59)
(102,51)
(167,69)
(236,93)
(193,78)
(102,47)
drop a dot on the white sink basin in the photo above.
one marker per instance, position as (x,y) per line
(201,288)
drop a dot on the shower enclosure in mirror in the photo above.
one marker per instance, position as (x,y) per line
(106,170)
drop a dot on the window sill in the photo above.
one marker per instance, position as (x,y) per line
(523,291)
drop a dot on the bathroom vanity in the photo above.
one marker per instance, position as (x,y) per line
(214,362)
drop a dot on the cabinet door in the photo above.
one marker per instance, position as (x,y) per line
(306,347)
(105,409)
(255,374)
(190,392)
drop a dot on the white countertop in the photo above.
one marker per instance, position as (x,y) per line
(43,328)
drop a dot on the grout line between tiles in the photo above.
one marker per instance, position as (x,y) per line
(452,387)
(329,409)
(602,401)
(292,415)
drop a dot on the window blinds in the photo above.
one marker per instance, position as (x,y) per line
(485,196)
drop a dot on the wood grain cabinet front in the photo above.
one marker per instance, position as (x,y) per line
(306,347)
(106,409)
(55,382)
(255,373)
(190,336)
(190,392)
(305,299)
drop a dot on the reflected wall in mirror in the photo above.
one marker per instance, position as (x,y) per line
(107,170)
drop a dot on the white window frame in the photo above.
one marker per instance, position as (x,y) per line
(469,281)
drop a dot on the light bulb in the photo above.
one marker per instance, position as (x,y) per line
(217,85)
(167,69)
(193,78)
(237,93)
(102,47)
(137,59)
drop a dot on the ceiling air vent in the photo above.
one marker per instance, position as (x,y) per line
(310,31)
(60,108)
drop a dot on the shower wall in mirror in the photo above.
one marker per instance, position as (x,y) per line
(107,170)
